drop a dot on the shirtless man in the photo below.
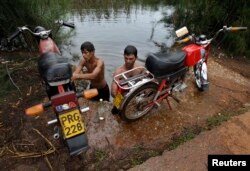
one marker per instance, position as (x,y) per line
(130,56)
(95,71)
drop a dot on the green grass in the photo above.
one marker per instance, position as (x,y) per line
(185,136)
(211,123)
(218,119)
(100,155)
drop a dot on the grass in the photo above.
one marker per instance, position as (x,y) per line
(140,154)
(6,85)
(24,74)
(186,135)
(211,123)
(100,155)
(222,117)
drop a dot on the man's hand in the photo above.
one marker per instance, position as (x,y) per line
(75,76)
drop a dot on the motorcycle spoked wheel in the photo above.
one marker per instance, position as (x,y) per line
(134,105)
(200,74)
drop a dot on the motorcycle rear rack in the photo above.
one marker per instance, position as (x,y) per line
(127,82)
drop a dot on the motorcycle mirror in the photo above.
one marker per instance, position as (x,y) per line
(34,110)
(88,94)
(181,32)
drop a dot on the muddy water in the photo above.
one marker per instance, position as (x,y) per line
(110,34)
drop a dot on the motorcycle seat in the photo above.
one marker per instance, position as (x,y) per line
(161,64)
(54,68)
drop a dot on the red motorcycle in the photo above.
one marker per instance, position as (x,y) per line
(163,75)
(56,74)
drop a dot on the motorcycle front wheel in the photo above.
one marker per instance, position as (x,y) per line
(135,104)
(200,74)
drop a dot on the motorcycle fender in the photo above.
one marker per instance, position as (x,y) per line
(77,144)
(133,90)
(204,71)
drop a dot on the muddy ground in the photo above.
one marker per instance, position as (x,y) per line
(27,143)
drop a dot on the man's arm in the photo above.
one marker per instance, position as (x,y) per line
(114,86)
(94,74)
(78,69)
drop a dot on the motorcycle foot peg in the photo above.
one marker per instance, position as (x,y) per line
(84,109)
(56,136)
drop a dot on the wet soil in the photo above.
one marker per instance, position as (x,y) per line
(27,143)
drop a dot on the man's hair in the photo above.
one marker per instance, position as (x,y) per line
(87,46)
(130,50)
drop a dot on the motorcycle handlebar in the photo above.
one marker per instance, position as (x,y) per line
(41,34)
(186,39)
(71,25)
(235,29)
(13,35)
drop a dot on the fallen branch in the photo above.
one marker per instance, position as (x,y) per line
(47,161)
(33,154)
(7,70)
(2,151)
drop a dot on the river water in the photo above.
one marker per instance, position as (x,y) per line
(111,33)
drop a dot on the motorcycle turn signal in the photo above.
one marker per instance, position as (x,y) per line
(35,110)
(88,94)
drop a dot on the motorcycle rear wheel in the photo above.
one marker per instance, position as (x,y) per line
(199,80)
(134,105)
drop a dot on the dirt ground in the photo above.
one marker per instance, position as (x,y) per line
(230,138)
(27,143)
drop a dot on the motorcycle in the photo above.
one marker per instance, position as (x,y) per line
(198,52)
(163,74)
(56,74)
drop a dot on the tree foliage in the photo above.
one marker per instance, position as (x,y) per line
(29,12)
(207,16)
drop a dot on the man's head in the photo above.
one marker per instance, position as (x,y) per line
(130,56)
(88,50)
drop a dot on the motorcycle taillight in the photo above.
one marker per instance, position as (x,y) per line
(64,101)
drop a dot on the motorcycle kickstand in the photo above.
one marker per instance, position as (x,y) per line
(168,103)
(175,98)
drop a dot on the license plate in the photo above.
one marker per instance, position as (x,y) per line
(118,100)
(71,123)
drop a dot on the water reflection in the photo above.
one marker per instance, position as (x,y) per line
(112,29)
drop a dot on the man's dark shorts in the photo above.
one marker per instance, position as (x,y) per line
(103,93)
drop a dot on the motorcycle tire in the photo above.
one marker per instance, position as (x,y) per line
(198,75)
(134,104)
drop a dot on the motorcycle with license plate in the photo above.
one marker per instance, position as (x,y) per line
(56,75)
(163,74)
